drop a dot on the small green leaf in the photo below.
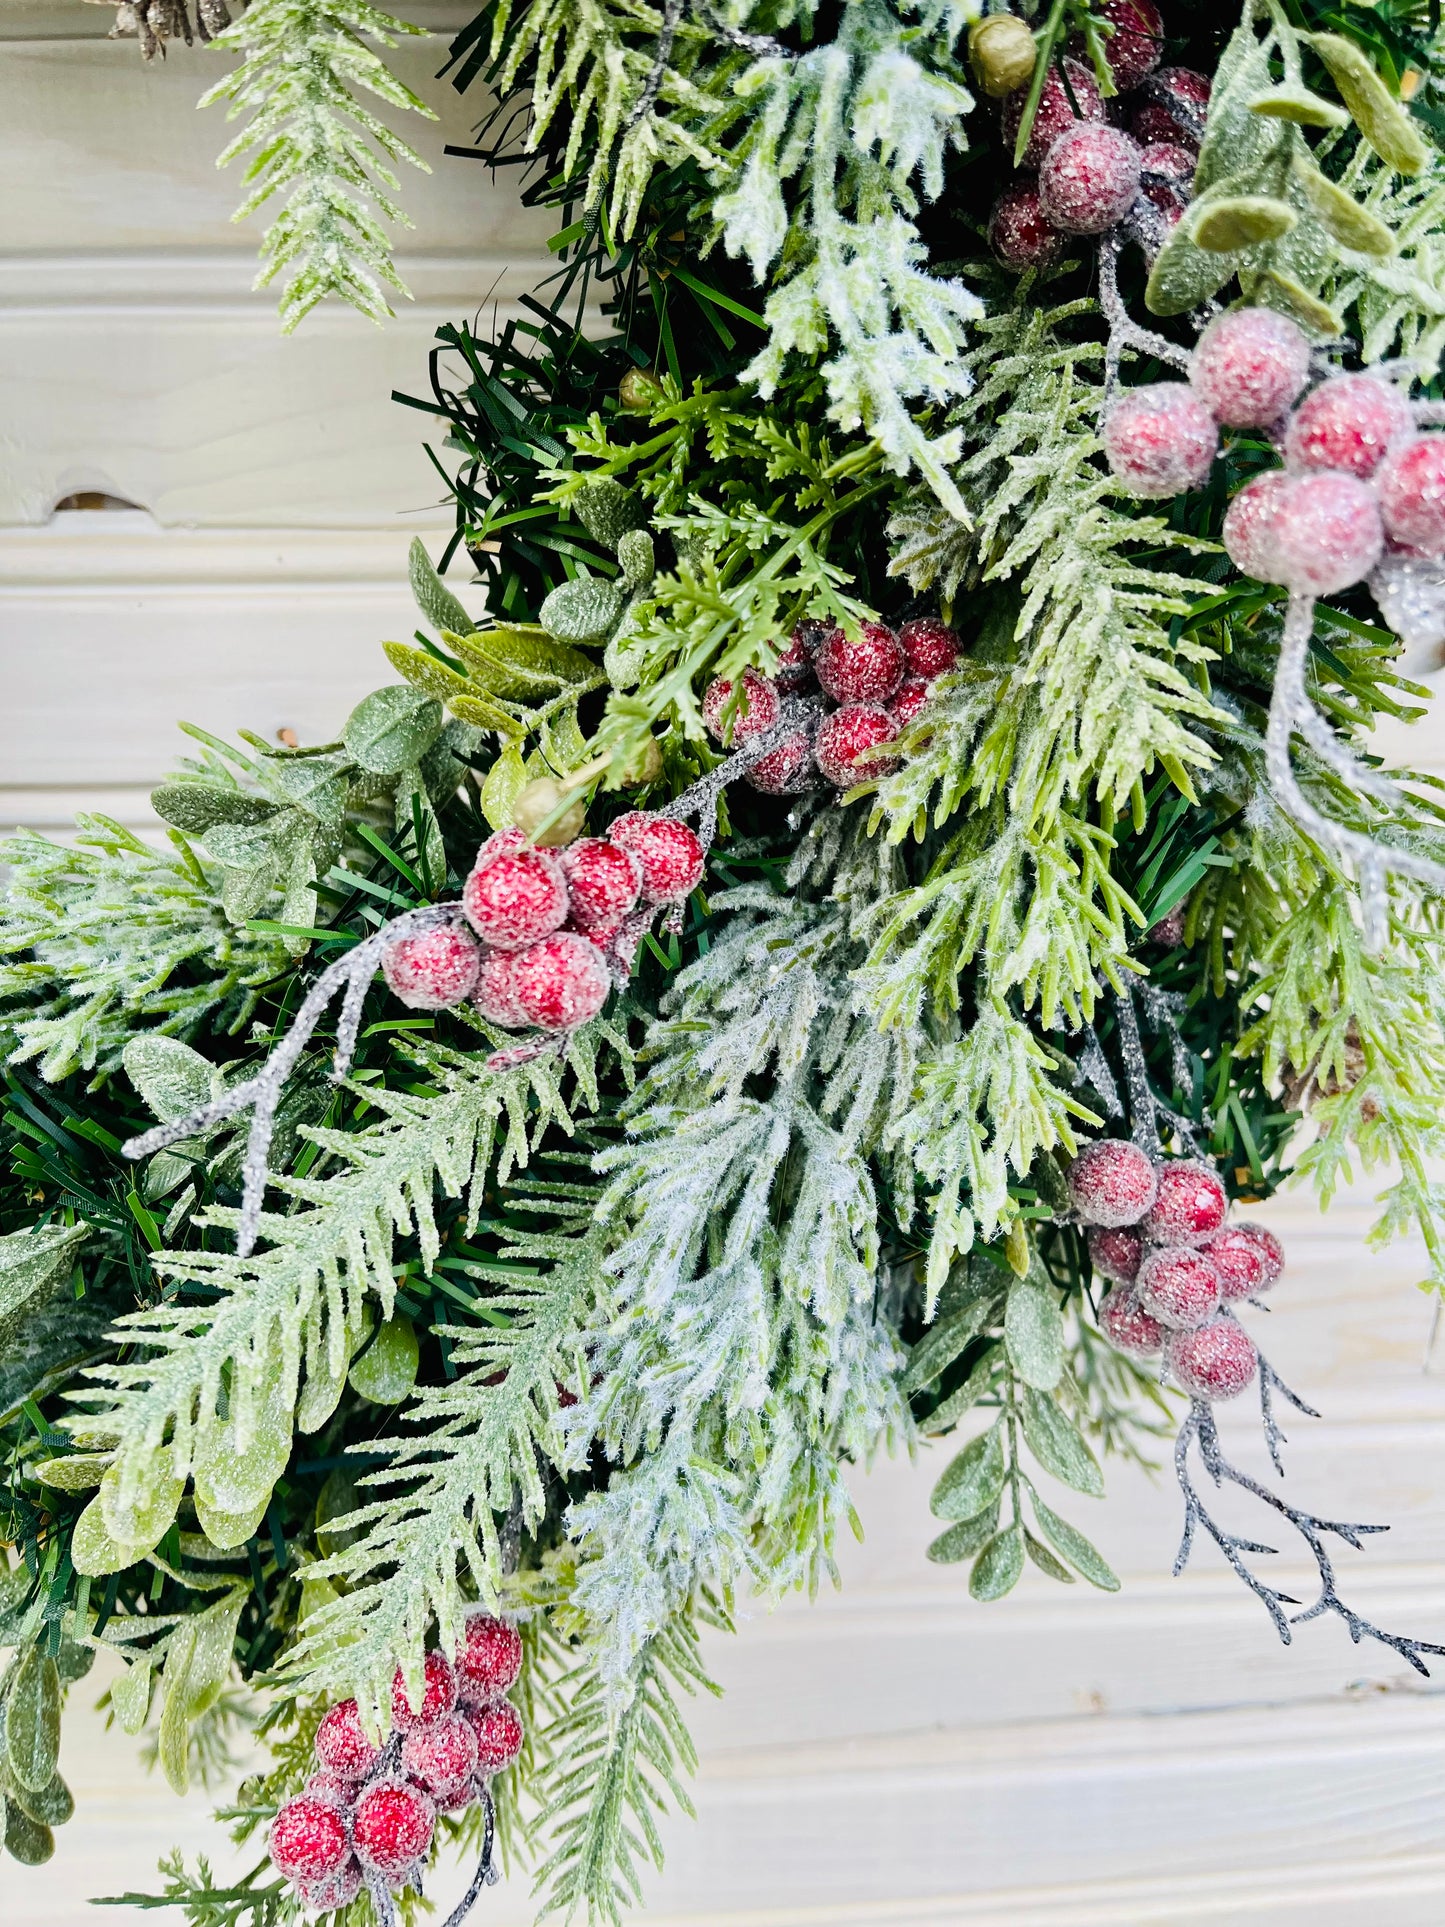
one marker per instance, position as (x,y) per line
(1341,215)
(386,1370)
(198,807)
(1283,292)
(607,510)
(51,1807)
(973,1480)
(1379,116)
(999,1566)
(938,1348)
(228,1529)
(172,1078)
(1075,1547)
(504,783)
(393,728)
(639,562)
(1033,1329)
(130,1696)
(976,1386)
(433,597)
(32,1721)
(25,1840)
(1299,104)
(586,609)
(485,715)
(1057,1445)
(73,1661)
(424,672)
(1045,1560)
(173,1748)
(144,1514)
(77,1472)
(963,1540)
(92,1549)
(33,1265)
(1242,221)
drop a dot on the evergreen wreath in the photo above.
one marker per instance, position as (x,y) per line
(821,947)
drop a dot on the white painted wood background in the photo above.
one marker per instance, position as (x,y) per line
(893,1755)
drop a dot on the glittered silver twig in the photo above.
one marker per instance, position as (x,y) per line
(1124,331)
(700,799)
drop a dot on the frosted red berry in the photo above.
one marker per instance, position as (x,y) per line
(438,1688)
(756,709)
(495,995)
(341,1743)
(1089,178)
(1271,1252)
(1179,87)
(1216,1361)
(434,970)
(1411,483)
(335,1891)
(441,1754)
(604,882)
(1326,533)
(1347,422)
(671,857)
(1178,1286)
(1173,168)
(1240,1260)
(309,1838)
(1018,233)
(1055,110)
(499,1736)
(1190,1204)
(795,663)
(392,1827)
(515,897)
(1249,523)
(787,768)
(910,699)
(1127,1326)
(1160,440)
(1132,50)
(865,670)
(488,1659)
(1112,1182)
(1169,931)
(1248,366)
(846,737)
(1115,1252)
(930,646)
(561,982)
(331,1787)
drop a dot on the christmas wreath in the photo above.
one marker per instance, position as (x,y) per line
(822,946)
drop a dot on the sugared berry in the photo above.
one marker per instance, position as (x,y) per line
(488,1659)
(341,1743)
(392,1827)
(514,897)
(1127,1326)
(1112,1182)
(1271,1250)
(560,982)
(671,857)
(1055,110)
(1326,533)
(1218,1360)
(846,737)
(911,699)
(1168,933)
(604,882)
(1114,1252)
(1241,1261)
(1249,523)
(336,1891)
(1160,439)
(1172,88)
(787,768)
(930,646)
(439,1755)
(495,996)
(1017,231)
(1132,50)
(867,670)
(331,1787)
(1173,168)
(1179,1287)
(434,970)
(1411,482)
(1348,422)
(756,709)
(795,663)
(1248,366)
(1089,178)
(309,1838)
(499,1736)
(1189,1205)
(438,1694)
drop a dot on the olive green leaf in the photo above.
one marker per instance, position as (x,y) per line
(1045,1560)
(385,1371)
(1340,214)
(33,1265)
(948,1339)
(424,672)
(504,783)
(79,1472)
(32,1721)
(25,1840)
(978,1383)
(1242,221)
(197,1665)
(433,597)
(198,807)
(392,728)
(1379,116)
(1058,1446)
(52,1806)
(1083,1556)
(586,609)
(1295,102)
(973,1480)
(607,510)
(963,1540)
(141,1514)
(1033,1329)
(172,1078)
(999,1566)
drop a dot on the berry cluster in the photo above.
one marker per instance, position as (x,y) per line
(1158,1232)
(1359,479)
(368,1813)
(1088,175)
(554,928)
(879,681)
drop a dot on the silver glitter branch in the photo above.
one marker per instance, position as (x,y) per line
(1124,331)
(1147,1112)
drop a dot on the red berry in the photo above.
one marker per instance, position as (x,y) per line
(795,663)
(1114,1252)
(336,1891)
(1179,87)
(1132,50)
(671,856)
(434,970)
(332,1788)
(846,736)
(786,768)
(499,1736)
(913,696)
(1249,523)
(1169,931)
(561,982)
(488,1659)
(1160,439)
(308,1838)
(604,882)
(1412,494)
(341,1743)
(441,1754)
(1176,164)
(438,1694)
(1348,422)
(495,996)
(515,896)
(457,1797)
(1089,179)
(1248,366)
(393,1827)
(930,646)
(757,709)
(1127,1326)
(1179,1287)
(1190,1204)
(1055,111)
(1271,1249)
(1017,231)
(1326,533)
(1241,1261)
(865,671)
(1112,1182)
(1216,1361)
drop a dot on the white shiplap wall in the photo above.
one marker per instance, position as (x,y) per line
(893,1756)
